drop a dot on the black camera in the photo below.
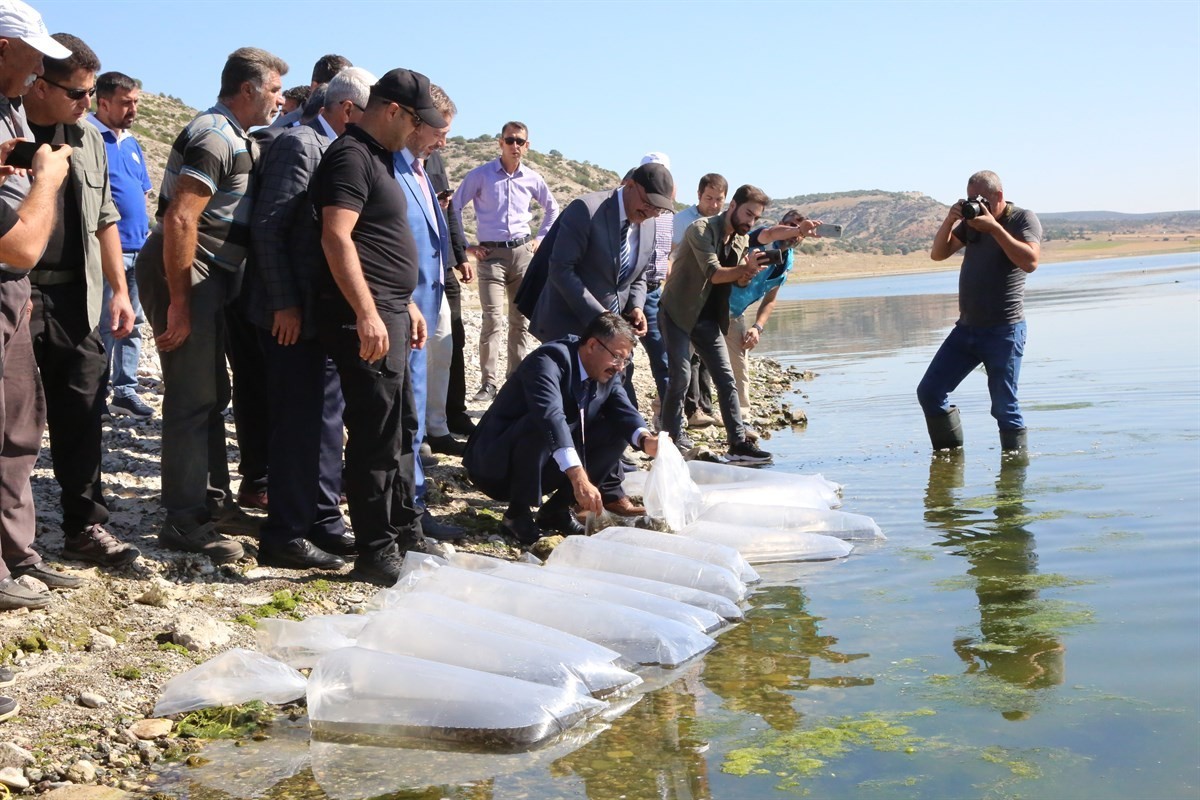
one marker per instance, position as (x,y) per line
(773,257)
(973,208)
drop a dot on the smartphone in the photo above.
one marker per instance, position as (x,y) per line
(828,230)
(21,156)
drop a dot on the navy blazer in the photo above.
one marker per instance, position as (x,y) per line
(544,390)
(582,275)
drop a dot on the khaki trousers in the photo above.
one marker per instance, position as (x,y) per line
(500,276)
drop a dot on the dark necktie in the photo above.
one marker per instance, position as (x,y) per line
(626,256)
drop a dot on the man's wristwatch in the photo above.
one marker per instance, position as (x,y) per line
(758,328)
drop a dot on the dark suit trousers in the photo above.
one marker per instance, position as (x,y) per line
(74,370)
(533,472)
(249,369)
(304,475)
(381,421)
(456,394)
(22,417)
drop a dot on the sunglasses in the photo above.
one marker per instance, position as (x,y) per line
(74,94)
(517,140)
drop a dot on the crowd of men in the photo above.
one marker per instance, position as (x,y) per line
(302,264)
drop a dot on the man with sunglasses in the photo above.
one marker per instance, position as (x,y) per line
(67,292)
(502,191)
(304,527)
(559,427)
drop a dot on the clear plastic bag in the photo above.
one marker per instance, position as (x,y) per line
(639,636)
(595,553)
(721,606)
(701,620)
(728,483)
(670,493)
(234,677)
(355,694)
(722,556)
(444,638)
(766,493)
(301,644)
(841,524)
(764,545)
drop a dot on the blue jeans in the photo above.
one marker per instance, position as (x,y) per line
(999,348)
(656,348)
(123,354)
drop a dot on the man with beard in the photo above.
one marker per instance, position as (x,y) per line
(694,312)
(560,426)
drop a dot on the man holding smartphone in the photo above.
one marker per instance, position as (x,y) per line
(1002,245)
(778,242)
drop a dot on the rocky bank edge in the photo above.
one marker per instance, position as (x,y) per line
(91,666)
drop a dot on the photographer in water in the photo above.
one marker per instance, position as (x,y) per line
(777,242)
(1003,243)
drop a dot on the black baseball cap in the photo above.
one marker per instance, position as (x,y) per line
(658,183)
(409,89)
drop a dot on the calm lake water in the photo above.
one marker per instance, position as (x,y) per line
(1027,630)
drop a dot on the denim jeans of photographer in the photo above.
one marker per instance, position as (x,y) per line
(999,348)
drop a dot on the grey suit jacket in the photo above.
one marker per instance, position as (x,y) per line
(582,277)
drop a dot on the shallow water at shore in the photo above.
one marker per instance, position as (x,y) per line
(1027,630)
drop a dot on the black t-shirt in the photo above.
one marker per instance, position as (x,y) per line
(718,297)
(64,250)
(357,174)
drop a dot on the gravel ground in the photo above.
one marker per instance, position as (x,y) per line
(91,665)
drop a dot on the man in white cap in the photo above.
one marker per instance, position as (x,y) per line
(27,211)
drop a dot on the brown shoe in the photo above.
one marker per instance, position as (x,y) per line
(699,419)
(98,546)
(252,499)
(625,508)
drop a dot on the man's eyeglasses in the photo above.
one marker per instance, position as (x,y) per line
(644,205)
(416,120)
(517,140)
(618,361)
(74,94)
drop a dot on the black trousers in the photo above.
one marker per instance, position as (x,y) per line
(456,394)
(381,423)
(249,369)
(304,475)
(74,369)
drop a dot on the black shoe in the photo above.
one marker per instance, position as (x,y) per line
(747,453)
(461,424)
(343,545)
(52,578)
(486,394)
(8,708)
(7,677)
(522,528)
(297,554)
(199,538)
(561,520)
(13,595)
(381,569)
(442,531)
(447,445)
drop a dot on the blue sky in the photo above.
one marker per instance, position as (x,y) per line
(1077,105)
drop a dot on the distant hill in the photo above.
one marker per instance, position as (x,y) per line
(875,221)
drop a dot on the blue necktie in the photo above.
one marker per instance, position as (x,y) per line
(626,257)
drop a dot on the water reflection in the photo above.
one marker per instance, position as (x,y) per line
(761,662)
(652,751)
(1019,641)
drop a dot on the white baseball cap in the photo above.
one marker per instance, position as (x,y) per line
(20,21)
(656,158)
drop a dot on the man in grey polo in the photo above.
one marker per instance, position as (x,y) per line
(188,271)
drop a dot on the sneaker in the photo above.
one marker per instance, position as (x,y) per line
(97,545)
(202,539)
(7,677)
(131,406)
(8,708)
(381,569)
(699,420)
(486,393)
(747,453)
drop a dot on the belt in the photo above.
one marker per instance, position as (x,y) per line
(511,244)
(55,277)
(7,277)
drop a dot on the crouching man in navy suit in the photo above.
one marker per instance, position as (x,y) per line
(559,425)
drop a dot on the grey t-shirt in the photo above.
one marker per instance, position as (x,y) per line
(991,288)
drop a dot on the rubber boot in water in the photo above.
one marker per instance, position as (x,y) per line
(945,430)
(1014,439)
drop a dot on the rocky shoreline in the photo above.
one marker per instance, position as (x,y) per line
(91,665)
